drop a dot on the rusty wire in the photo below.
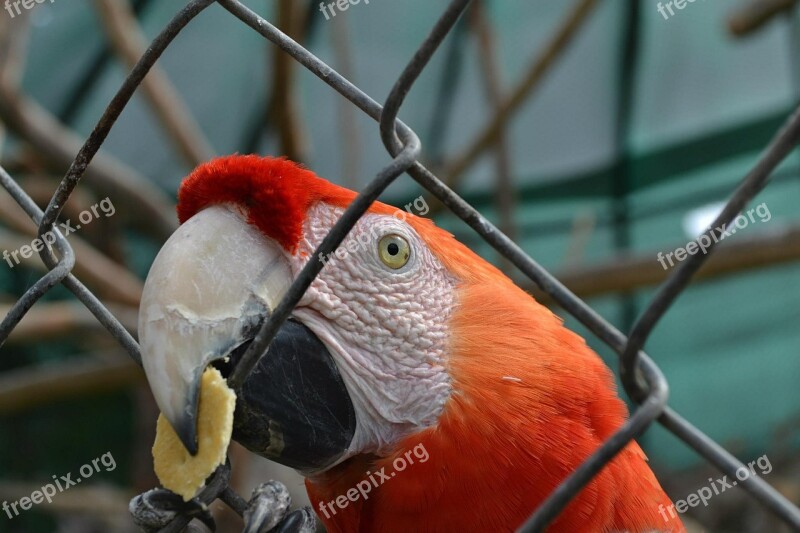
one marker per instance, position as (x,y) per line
(641,377)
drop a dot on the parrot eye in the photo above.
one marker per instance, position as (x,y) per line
(394,251)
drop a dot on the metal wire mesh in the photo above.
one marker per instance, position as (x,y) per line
(641,377)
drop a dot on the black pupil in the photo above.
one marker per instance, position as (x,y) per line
(393,249)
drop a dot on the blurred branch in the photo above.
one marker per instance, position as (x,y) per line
(56,320)
(101,500)
(565,34)
(111,279)
(283,109)
(26,388)
(755,14)
(349,139)
(95,269)
(147,207)
(12,49)
(107,237)
(583,225)
(12,58)
(445,95)
(40,188)
(630,273)
(57,145)
(128,40)
(487,54)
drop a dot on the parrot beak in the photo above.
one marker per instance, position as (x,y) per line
(209,290)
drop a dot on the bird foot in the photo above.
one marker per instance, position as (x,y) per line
(269,511)
(156,508)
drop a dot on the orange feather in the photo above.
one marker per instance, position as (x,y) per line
(530,400)
(502,445)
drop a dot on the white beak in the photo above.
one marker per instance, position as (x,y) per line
(210,288)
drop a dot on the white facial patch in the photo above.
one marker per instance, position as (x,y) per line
(387,329)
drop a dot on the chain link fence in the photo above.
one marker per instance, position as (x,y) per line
(642,379)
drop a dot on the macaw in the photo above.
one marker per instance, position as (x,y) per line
(415,386)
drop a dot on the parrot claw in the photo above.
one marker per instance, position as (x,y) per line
(268,511)
(299,521)
(156,508)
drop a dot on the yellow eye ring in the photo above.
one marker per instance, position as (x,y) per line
(394,251)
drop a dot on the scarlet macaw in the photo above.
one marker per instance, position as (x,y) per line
(407,343)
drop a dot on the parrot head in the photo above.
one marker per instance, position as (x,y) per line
(405,339)
(361,361)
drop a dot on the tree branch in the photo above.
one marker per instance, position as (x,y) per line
(565,34)
(146,206)
(128,40)
(629,273)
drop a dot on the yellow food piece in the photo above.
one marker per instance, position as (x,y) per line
(176,468)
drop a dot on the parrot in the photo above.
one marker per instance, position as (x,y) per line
(415,386)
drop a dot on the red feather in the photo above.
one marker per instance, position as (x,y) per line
(502,445)
(276,193)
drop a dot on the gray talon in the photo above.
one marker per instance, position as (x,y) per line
(299,521)
(149,515)
(267,507)
(156,508)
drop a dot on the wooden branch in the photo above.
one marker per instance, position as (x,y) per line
(146,206)
(505,200)
(12,57)
(97,270)
(40,188)
(565,34)
(26,388)
(626,274)
(755,14)
(583,226)
(56,320)
(283,108)
(13,37)
(92,267)
(128,40)
(107,237)
(350,145)
(100,501)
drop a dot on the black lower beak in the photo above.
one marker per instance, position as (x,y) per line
(208,291)
(294,407)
